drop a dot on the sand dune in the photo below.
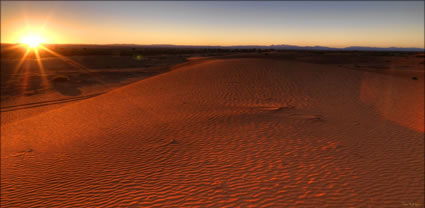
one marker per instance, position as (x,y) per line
(226,133)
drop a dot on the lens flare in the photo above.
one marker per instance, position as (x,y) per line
(32,41)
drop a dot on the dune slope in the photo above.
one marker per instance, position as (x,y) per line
(226,133)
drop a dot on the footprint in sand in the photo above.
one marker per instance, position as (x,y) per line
(277,108)
(308,117)
(292,112)
(22,153)
(169,142)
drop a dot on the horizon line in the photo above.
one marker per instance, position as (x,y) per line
(247,45)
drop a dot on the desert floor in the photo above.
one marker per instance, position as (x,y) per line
(251,131)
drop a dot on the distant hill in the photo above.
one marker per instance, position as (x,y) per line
(282,47)
(359,48)
(276,47)
(323,48)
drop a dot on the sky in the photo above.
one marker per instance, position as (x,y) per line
(324,23)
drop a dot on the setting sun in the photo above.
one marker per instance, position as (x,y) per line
(32,41)
(212,104)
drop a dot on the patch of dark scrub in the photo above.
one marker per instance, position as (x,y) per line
(64,86)
(60,79)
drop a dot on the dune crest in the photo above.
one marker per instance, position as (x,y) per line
(220,133)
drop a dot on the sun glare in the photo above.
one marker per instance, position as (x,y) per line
(32,41)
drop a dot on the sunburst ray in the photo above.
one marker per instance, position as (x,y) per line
(44,81)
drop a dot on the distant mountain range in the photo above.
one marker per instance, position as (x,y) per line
(276,47)
(280,47)
(359,48)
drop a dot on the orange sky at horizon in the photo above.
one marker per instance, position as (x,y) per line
(115,23)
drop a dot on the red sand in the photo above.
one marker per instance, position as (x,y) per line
(226,133)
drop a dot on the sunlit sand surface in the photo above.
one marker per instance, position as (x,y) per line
(226,133)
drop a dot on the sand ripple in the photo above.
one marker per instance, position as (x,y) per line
(224,133)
